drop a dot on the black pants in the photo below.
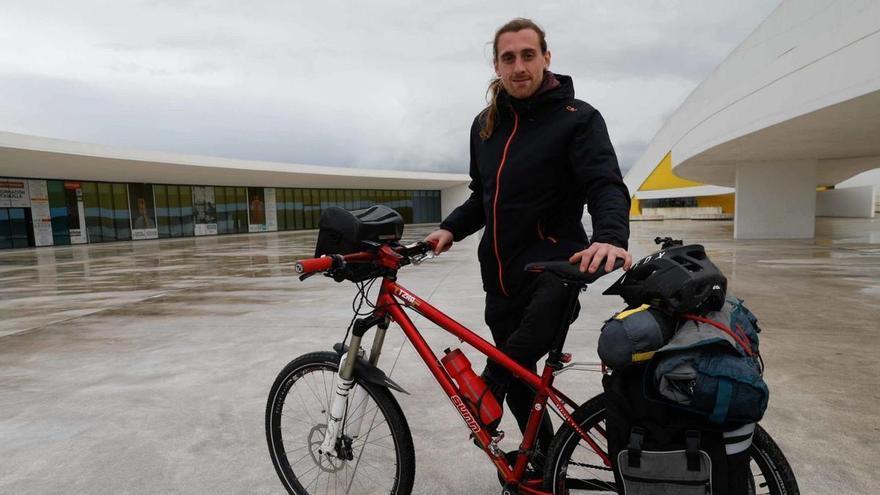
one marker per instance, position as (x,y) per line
(524,327)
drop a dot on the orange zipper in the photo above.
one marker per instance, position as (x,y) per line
(495,203)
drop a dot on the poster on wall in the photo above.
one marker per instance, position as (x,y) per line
(271,211)
(76,213)
(205,210)
(41,215)
(256,209)
(143,215)
(14,193)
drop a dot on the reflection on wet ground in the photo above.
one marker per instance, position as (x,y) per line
(211,276)
(146,364)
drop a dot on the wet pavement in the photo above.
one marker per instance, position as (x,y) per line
(144,367)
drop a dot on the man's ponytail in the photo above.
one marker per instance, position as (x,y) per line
(490,114)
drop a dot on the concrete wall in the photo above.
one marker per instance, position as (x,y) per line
(775,200)
(452,197)
(869,178)
(857,202)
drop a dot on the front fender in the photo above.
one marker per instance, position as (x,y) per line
(369,372)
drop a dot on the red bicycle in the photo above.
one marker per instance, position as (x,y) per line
(333,425)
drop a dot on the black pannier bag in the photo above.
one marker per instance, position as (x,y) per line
(656,449)
(344,232)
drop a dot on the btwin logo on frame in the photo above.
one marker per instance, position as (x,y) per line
(463,410)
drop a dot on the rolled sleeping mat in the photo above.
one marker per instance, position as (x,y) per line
(633,335)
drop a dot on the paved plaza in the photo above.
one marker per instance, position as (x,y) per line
(144,367)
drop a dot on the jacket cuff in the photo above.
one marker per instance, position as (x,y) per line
(610,240)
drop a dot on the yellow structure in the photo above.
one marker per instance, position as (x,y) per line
(725,201)
(662,178)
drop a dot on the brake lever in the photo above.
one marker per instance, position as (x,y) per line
(304,276)
(417,259)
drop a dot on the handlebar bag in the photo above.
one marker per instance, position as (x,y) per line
(343,232)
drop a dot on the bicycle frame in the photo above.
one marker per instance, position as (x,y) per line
(390,302)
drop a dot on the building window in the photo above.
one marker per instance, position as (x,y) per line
(669,202)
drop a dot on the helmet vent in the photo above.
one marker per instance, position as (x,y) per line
(697,255)
(688,264)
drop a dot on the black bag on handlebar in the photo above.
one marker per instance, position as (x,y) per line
(344,232)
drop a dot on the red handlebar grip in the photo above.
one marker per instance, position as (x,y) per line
(314,265)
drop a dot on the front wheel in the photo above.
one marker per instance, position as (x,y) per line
(574,467)
(381,460)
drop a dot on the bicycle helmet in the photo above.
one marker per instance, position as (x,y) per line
(679,279)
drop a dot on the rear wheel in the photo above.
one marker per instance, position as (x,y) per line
(381,460)
(574,467)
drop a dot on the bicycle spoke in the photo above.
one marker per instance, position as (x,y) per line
(362,415)
(312,390)
(366,437)
(327,392)
(304,408)
(300,432)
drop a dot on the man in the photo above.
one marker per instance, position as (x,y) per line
(537,155)
(143,220)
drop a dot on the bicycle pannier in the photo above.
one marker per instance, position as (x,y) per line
(711,366)
(658,449)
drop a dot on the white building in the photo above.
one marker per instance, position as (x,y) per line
(784,121)
(55,192)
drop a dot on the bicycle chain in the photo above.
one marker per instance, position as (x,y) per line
(581,464)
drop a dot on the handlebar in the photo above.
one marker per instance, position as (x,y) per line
(314,264)
(334,261)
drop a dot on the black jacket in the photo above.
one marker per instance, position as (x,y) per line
(547,157)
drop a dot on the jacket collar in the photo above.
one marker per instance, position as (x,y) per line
(555,87)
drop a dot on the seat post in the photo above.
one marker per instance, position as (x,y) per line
(555,356)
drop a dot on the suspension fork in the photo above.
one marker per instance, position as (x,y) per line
(345,393)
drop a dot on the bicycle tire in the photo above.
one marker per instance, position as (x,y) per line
(770,469)
(312,399)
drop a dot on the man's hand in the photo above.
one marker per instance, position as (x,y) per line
(442,240)
(592,257)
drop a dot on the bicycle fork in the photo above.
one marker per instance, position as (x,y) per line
(349,400)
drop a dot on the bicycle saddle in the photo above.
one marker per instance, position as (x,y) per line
(570,272)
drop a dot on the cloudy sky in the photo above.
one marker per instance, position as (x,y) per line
(379,84)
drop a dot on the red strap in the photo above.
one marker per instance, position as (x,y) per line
(744,343)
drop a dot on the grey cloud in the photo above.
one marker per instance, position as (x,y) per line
(114,46)
(647,61)
(386,84)
(628,152)
(209,41)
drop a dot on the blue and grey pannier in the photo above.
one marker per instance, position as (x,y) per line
(711,366)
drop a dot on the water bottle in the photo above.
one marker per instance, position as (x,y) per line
(472,387)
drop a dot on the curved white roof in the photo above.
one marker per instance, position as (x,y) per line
(805,85)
